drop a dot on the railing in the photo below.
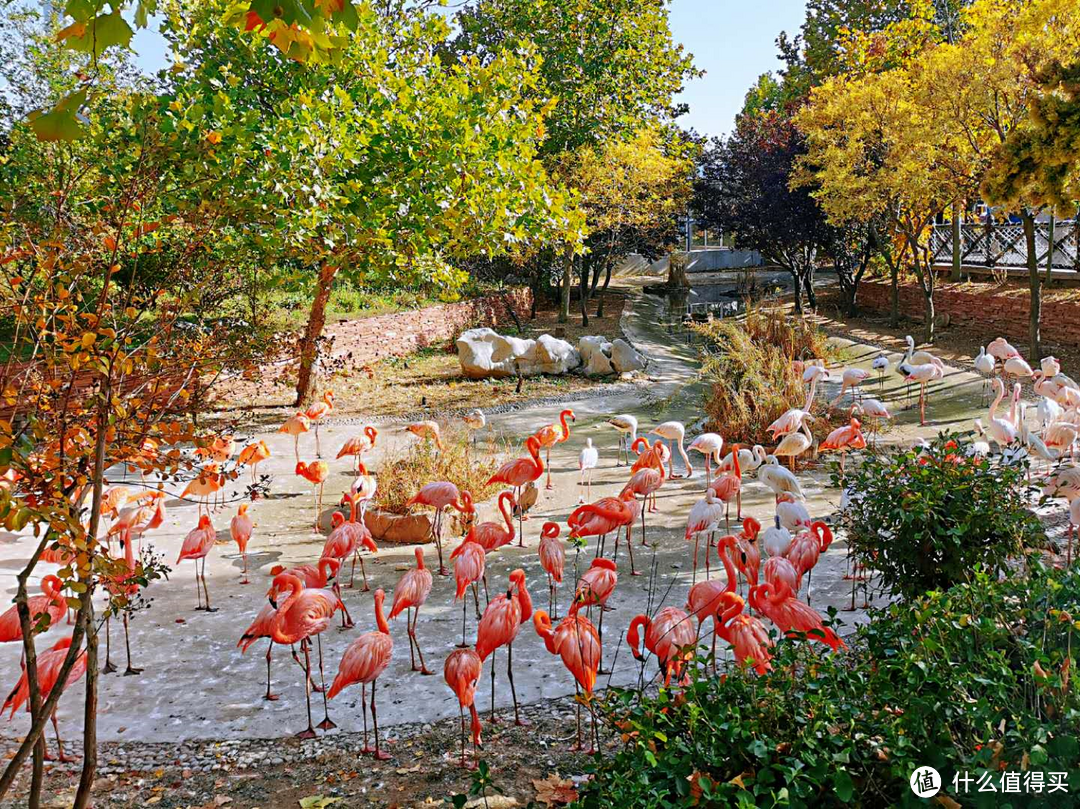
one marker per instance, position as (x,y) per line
(1002,245)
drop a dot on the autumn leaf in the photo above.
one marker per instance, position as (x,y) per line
(76,29)
(213,137)
(317,802)
(329,7)
(555,791)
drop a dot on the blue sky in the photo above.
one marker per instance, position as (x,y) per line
(732,40)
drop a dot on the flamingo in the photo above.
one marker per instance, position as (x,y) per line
(1062,436)
(668,635)
(790,420)
(296,425)
(604,516)
(362,490)
(357,445)
(748,560)
(318,411)
(792,512)
(260,628)
(705,516)
(776,540)
(304,613)
(552,559)
(913,357)
(517,473)
(240,528)
(1000,349)
(796,443)
(461,672)
(577,642)
(655,457)
(120,583)
(587,461)
(314,473)
(644,483)
(429,431)
(881,365)
(595,587)
(49,664)
(747,635)
(922,374)
(411,592)
(777,602)
(51,602)
(492,535)
(209,482)
(551,434)
(627,426)
(1065,482)
(984,367)
(441,495)
(346,539)
(750,460)
(844,439)
(806,548)
(728,487)
(875,410)
(849,381)
(675,432)
(704,602)
(197,545)
(316,576)
(709,445)
(1002,431)
(1050,366)
(475,421)
(1017,367)
(780,480)
(252,455)
(468,559)
(499,626)
(364,660)
(980,448)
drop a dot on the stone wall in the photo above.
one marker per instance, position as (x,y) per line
(401,333)
(989,308)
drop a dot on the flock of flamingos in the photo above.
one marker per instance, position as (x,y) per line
(302,601)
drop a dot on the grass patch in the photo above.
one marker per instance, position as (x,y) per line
(402,473)
(748,365)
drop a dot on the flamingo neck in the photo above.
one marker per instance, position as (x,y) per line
(997,401)
(324,567)
(633,636)
(419,559)
(735,461)
(534,450)
(565,427)
(729,568)
(504,499)
(810,393)
(380,619)
(731,612)
(524,601)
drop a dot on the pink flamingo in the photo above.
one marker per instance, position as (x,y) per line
(728,487)
(441,495)
(552,559)
(318,411)
(364,660)
(361,490)
(197,545)
(669,636)
(347,538)
(518,472)
(704,598)
(604,516)
(595,587)
(499,626)
(120,583)
(303,614)
(551,434)
(296,425)
(358,445)
(461,671)
(49,664)
(411,592)
(260,628)
(491,535)
(252,455)
(240,528)
(468,559)
(51,603)
(576,641)
(806,548)
(704,518)
(748,559)
(747,635)
(844,439)
(645,483)
(777,602)
(315,473)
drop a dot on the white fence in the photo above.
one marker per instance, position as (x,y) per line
(1003,245)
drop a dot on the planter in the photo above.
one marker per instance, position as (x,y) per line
(405,529)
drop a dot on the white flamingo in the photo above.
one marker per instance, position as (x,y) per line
(675,432)
(984,367)
(1002,431)
(780,480)
(626,424)
(709,445)
(587,461)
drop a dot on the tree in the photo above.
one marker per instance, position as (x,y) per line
(631,192)
(611,68)
(414,157)
(745,190)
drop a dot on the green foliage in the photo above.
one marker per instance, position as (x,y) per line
(924,519)
(748,367)
(972,679)
(482,783)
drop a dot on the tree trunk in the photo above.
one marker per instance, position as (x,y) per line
(928,333)
(1027,220)
(808,282)
(797,284)
(584,288)
(305,382)
(956,253)
(603,291)
(567,283)
(894,314)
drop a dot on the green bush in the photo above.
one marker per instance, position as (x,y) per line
(923,518)
(973,679)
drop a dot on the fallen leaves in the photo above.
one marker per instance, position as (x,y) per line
(555,791)
(317,802)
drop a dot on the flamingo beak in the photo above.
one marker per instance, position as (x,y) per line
(273,603)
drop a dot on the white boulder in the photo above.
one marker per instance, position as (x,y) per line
(596,354)
(555,356)
(625,358)
(485,353)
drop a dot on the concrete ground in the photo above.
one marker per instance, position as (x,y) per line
(197,685)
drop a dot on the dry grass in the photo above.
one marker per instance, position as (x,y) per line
(404,472)
(752,381)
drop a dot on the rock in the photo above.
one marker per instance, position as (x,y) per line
(412,529)
(485,353)
(625,358)
(555,356)
(596,354)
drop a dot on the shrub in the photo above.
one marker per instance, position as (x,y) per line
(974,679)
(748,364)
(923,519)
(403,472)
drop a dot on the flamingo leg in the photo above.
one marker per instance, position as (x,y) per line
(363,702)
(492,717)
(630,548)
(577,702)
(600,634)
(461,711)
(245,580)
(109,666)
(206,590)
(130,670)
(547,463)
(464,612)
(437,527)
(269,697)
(510,676)
(416,640)
(310,732)
(59,744)
(697,540)
(325,724)
(318,446)
(521,517)
(363,572)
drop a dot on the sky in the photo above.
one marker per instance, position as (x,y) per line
(734,41)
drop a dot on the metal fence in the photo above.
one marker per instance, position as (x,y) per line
(1002,245)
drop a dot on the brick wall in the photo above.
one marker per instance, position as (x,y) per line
(394,335)
(995,310)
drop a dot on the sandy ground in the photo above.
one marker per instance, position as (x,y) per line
(196,685)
